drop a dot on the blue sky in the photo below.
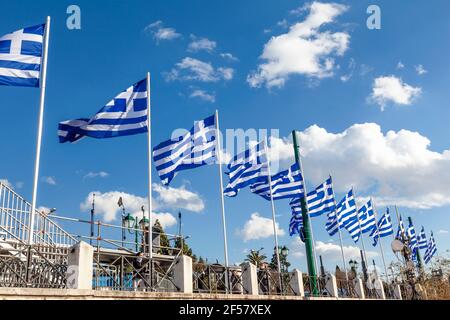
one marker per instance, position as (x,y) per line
(202,56)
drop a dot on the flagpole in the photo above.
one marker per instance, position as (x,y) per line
(307,225)
(379,240)
(149,149)
(340,234)
(360,229)
(222,200)
(39,133)
(275,233)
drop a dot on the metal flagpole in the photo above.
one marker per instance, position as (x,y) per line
(275,233)
(224,226)
(309,236)
(39,133)
(340,234)
(360,229)
(150,208)
(379,240)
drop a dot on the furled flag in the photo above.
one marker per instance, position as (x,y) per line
(422,239)
(195,148)
(401,230)
(320,201)
(343,216)
(285,185)
(247,168)
(366,218)
(384,228)
(124,115)
(431,250)
(20,57)
(411,232)
(296,226)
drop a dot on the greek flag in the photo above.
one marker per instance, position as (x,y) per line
(247,168)
(195,148)
(401,230)
(20,57)
(431,250)
(411,232)
(124,115)
(422,239)
(320,201)
(384,228)
(365,224)
(285,185)
(344,216)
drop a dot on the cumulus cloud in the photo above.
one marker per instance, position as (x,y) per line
(160,32)
(229,56)
(400,65)
(395,167)
(392,89)
(49,180)
(106,206)
(190,69)
(178,198)
(304,49)
(203,95)
(201,44)
(258,227)
(100,174)
(330,251)
(420,69)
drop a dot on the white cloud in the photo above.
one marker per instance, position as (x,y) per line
(203,95)
(330,251)
(161,33)
(258,228)
(395,167)
(420,70)
(400,65)
(178,198)
(304,49)
(190,69)
(229,56)
(392,89)
(106,206)
(49,180)
(199,44)
(6,183)
(442,231)
(19,184)
(101,174)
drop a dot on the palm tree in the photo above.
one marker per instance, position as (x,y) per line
(256,257)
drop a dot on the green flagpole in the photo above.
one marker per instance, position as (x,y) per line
(306,225)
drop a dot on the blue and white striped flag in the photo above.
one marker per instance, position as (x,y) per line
(285,185)
(344,216)
(20,57)
(320,201)
(247,168)
(422,239)
(411,232)
(125,115)
(384,228)
(365,224)
(400,230)
(195,148)
(431,250)
(296,226)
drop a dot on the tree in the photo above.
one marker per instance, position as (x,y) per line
(186,250)
(256,257)
(164,242)
(284,263)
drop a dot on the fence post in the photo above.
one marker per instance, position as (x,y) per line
(331,285)
(296,283)
(380,289)
(359,288)
(182,274)
(250,278)
(80,266)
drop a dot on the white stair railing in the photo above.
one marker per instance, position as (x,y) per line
(15,220)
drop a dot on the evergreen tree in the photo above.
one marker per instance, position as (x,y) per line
(284,263)
(164,240)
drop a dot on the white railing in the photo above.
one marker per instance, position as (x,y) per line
(15,222)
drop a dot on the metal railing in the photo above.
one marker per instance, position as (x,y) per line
(15,222)
(346,288)
(211,278)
